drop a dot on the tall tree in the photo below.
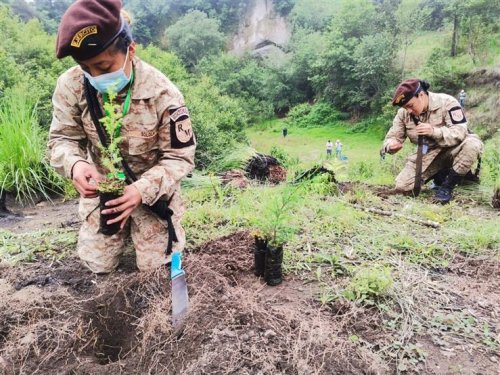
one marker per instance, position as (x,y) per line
(356,68)
(195,36)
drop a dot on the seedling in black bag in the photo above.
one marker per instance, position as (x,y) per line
(273,231)
(114,182)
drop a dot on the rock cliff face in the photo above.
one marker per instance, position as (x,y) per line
(261,31)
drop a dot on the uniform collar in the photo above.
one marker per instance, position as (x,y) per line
(434,102)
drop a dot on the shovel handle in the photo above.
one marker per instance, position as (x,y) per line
(176,265)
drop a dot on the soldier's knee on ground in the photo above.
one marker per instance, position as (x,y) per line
(405,184)
(469,153)
(100,253)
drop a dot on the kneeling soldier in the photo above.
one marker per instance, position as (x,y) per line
(447,144)
(158,143)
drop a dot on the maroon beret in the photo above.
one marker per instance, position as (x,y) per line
(88,27)
(405,91)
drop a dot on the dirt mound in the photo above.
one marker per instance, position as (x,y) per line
(59,318)
(235,178)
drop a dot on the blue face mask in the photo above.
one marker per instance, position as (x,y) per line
(114,81)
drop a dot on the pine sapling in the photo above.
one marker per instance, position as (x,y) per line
(114,181)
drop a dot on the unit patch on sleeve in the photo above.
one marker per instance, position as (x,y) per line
(181,130)
(457,115)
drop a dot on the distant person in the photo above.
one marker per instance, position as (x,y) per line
(338,149)
(285,132)
(449,149)
(329,149)
(462,97)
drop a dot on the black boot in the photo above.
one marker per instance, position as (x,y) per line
(471,178)
(440,177)
(274,259)
(259,254)
(3,205)
(444,193)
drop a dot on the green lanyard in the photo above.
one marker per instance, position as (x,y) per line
(126,104)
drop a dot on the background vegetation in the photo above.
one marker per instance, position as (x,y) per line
(338,72)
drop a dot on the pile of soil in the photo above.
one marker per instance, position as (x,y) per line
(235,178)
(56,317)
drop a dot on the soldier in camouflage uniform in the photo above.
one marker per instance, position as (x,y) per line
(158,145)
(449,150)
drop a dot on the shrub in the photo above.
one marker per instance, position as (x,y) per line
(283,157)
(318,114)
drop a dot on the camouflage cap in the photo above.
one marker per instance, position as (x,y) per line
(88,27)
(405,91)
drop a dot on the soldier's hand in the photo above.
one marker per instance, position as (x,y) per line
(424,129)
(394,147)
(126,204)
(85,179)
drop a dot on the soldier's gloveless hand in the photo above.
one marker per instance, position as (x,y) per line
(85,179)
(424,129)
(394,147)
(126,204)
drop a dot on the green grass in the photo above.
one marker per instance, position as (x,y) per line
(308,145)
(24,171)
(26,247)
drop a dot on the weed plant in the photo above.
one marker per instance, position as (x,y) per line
(369,285)
(24,171)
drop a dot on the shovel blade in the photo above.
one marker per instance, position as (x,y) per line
(180,300)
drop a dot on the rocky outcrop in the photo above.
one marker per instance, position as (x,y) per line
(261,31)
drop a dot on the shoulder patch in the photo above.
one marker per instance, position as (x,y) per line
(181,129)
(457,115)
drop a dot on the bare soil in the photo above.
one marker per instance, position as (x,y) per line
(58,318)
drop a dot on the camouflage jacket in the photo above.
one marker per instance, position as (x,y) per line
(158,145)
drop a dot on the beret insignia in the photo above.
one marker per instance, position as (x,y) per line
(399,98)
(82,34)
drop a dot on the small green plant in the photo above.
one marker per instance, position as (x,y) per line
(283,157)
(369,284)
(110,155)
(274,223)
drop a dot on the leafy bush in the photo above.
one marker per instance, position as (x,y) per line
(369,284)
(318,114)
(283,157)
(442,74)
(218,121)
(24,170)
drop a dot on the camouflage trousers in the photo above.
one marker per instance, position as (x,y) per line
(101,253)
(461,158)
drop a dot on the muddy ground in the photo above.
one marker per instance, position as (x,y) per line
(58,318)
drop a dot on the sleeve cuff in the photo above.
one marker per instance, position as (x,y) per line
(70,163)
(148,191)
